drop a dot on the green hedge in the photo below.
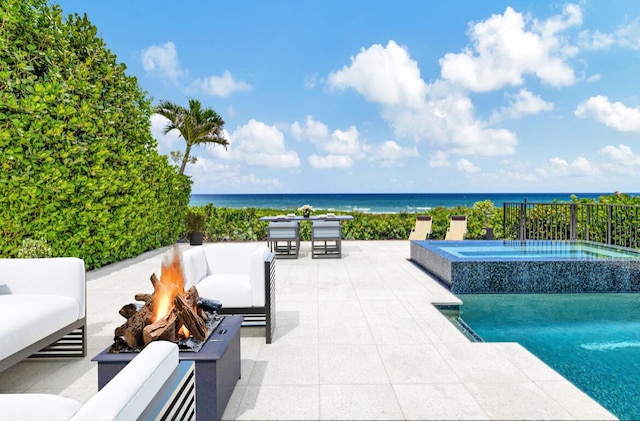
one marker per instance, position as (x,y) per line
(227,224)
(79,167)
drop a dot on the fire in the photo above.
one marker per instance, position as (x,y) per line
(171,284)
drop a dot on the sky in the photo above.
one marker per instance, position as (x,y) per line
(357,96)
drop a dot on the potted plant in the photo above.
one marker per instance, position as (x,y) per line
(486,209)
(306,210)
(195,225)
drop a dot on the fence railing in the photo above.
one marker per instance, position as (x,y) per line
(603,223)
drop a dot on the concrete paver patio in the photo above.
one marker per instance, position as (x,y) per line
(356,338)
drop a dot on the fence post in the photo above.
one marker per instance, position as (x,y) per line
(609,224)
(573,226)
(523,221)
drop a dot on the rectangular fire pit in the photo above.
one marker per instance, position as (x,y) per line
(217,367)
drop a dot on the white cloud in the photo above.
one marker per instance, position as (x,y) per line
(506,47)
(330,161)
(253,180)
(557,167)
(314,131)
(621,159)
(439,160)
(162,61)
(386,75)
(310,81)
(594,78)
(221,86)
(625,36)
(615,115)
(256,143)
(390,154)
(521,104)
(437,113)
(168,142)
(467,166)
(339,147)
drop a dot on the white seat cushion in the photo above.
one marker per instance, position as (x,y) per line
(27,318)
(231,289)
(37,407)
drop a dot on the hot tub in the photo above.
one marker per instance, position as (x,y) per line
(529,266)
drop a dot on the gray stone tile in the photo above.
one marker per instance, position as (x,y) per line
(351,364)
(397,331)
(516,401)
(438,402)
(575,401)
(286,364)
(359,402)
(283,402)
(420,363)
(344,331)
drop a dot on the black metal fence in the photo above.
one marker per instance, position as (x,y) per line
(604,223)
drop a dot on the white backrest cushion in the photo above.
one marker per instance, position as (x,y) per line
(229,257)
(128,394)
(194,266)
(50,276)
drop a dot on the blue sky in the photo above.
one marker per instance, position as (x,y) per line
(411,96)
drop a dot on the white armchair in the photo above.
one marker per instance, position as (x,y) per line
(239,275)
(42,309)
(151,385)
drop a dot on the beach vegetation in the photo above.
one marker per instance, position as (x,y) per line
(196,125)
(230,224)
(79,167)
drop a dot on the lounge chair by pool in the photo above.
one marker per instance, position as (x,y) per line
(422,230)
(457,228)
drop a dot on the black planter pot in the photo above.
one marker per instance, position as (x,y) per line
(195,238)
(488,234)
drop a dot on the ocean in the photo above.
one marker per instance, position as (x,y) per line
(377,203)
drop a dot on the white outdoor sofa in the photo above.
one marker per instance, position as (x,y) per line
(152,386)
(42,309)
(239,275)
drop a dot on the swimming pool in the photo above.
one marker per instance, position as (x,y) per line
(529,266)
(593,340)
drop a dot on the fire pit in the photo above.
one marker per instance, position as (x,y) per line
(172,314)
(169,313)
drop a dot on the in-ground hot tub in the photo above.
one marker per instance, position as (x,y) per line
(473,266)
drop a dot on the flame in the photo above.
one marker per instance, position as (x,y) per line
(171,284)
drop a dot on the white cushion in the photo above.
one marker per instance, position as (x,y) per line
(231,289)
(129,393)
(194,266)
(37,407)
(27,318)
(229,257)
(52,276)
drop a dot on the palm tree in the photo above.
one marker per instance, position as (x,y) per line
(196,125)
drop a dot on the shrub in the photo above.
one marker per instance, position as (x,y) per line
(31,249)
(79,165)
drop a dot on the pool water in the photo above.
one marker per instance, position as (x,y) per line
(593,340)
(537,250)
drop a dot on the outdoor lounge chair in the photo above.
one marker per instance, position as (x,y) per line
(422,230)
(457,228)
